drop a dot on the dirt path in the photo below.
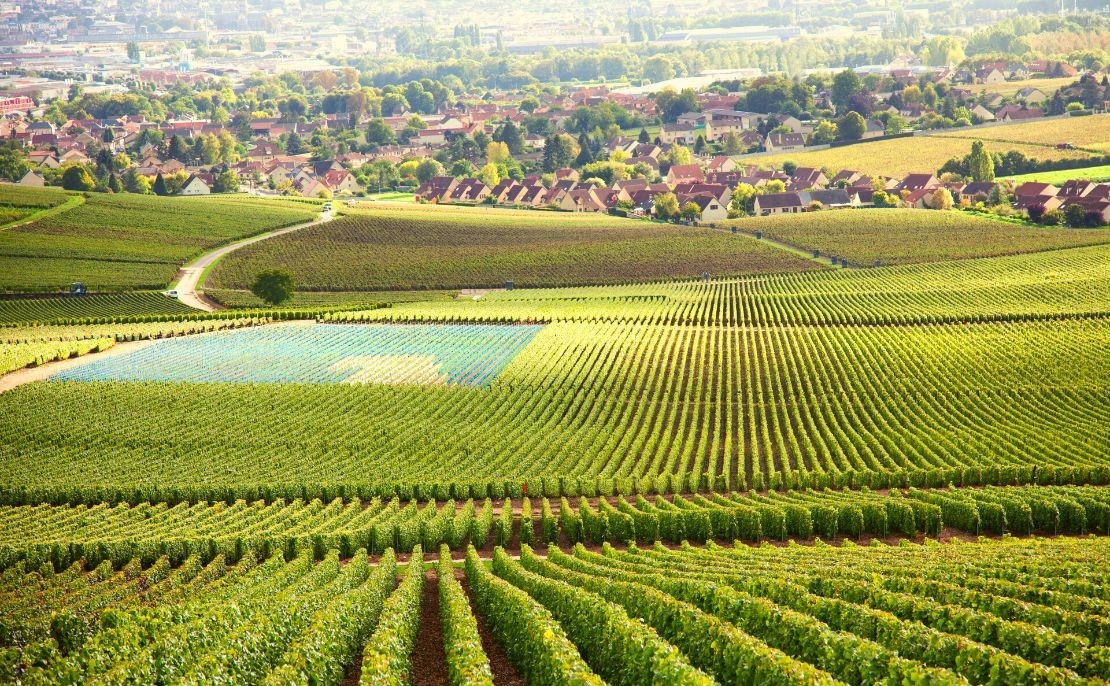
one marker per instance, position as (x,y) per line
(429,657)
(190,277)
(504,671)
(32,374)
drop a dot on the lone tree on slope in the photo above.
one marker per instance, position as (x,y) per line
(274,286)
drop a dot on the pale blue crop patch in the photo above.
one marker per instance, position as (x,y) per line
(428,354)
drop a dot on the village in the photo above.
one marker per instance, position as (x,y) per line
(696,156)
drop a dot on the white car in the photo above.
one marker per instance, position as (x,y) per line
(171,294)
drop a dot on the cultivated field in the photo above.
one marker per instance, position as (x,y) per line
(1098,174)
(22,310)
(786,474)
(904,236)
(928,152)
(413,248)
(704,381)
(125,242)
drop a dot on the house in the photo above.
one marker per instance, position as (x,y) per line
(340,181)
(918,199)
(678,134)
(1077,188)
(915,182)
(779,203)
(709,208)
(1099,208)
(32,178)
(977,191)
(989,75)
(846,178)
(1048,202)
(718,127)
(44,158)
(559,190)
(194,185)
(1031,95)
(785,142)
(721,164)
(680,173)
(582,200)
(836,198)
(566,173)
(982,114)
(807,177)
(469,190)
(1017,113)
(1033,189)
(436,188)
(722,193)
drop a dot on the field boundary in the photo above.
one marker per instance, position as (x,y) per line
(71,202)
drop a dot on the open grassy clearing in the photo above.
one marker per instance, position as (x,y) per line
(906,236)
(124,242)
(1099,173)
(446,248)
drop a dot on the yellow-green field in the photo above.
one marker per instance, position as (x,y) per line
(926,153)
(1009,88)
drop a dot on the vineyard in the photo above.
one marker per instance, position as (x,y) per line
(448,248)
(29,310)
(782,474)
(996,612)
(126,242)
(419,354)
(903,236)
(62,535)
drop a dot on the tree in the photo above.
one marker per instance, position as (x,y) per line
(461,169)
(658,68)
(743,200)
(176,150)
(825,132)
(77,178)
(274,286)
(980,164)
(1075,216)
(851,127)
(294,145)
(497,152)
(379,133)
(133,54)
(133,182)
(845,85)
(643,137)
(942,199)
(427,168)
(226,182)
(558,152)
(510,135)
(160,185)
(113,184)
(489,175)
(691,211)
(732,144)
(666,205)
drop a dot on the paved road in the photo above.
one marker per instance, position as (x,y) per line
(189,275)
